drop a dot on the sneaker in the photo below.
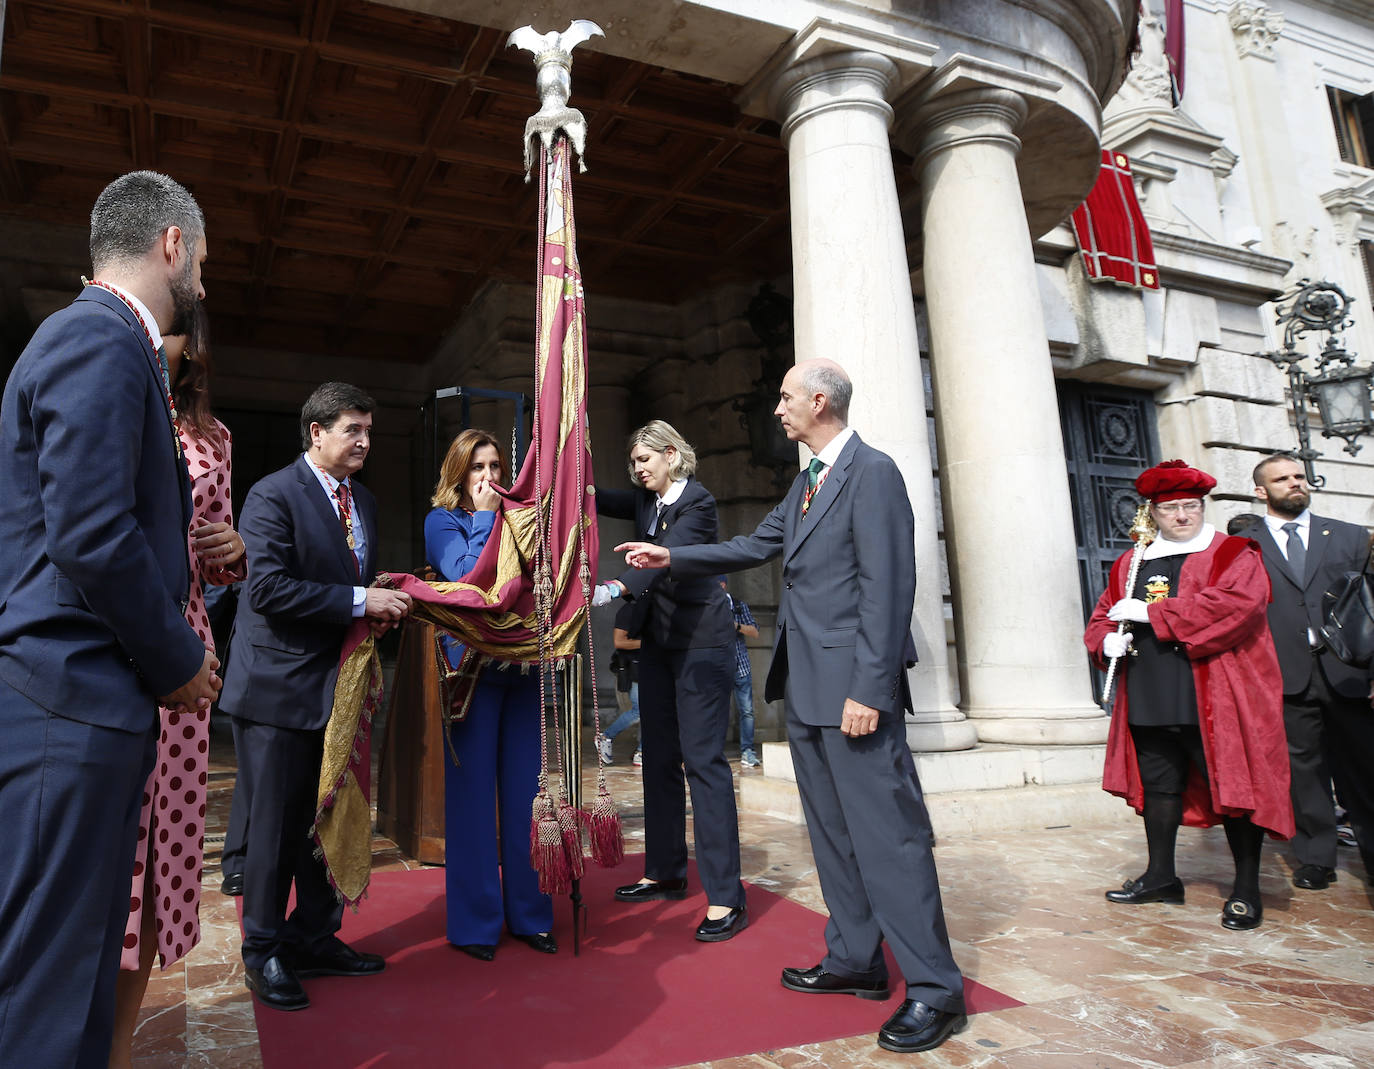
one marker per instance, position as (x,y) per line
(603,746)
(1345,836)
(639,759)
(749,759)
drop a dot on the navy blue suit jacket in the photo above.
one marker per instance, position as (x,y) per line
(94,565)
(681,613)
(298,599)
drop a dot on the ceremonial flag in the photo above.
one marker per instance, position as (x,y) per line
(1111,229)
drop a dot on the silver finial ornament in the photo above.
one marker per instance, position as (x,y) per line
(553,59)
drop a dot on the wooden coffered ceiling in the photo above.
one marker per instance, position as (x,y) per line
(360,167)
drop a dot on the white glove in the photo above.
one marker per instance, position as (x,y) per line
(1132,609)
(1114,645)
(604,594)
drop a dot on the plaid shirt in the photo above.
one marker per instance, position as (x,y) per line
(745,618)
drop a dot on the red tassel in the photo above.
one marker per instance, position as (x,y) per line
(604,830)
(572,840)
(548,856)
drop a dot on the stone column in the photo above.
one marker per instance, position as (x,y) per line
(852,303)
(1008,522)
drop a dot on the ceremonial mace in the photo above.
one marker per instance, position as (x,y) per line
(553,62)
(1143,532)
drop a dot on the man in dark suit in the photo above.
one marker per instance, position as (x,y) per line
(94,576)
(1326,704)
(311,537)
(846,536)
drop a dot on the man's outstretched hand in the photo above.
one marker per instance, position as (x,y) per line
(644,554)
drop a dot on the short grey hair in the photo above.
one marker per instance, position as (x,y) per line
(658,435)
(134,211)
(834,383)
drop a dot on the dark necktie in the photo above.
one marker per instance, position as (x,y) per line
(345,500)
(813,481)
(1297,552)
(660,507)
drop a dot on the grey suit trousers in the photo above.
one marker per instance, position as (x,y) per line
(870,834)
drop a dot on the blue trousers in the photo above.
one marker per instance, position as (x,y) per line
(744,702)
(71,794)
(487,799)
(629,717)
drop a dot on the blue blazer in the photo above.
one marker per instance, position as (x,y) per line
(297,603)
(681,613)
(94,565)
(454,539)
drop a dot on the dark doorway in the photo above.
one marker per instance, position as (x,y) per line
(1109,439)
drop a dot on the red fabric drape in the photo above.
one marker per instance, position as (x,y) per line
(1111,229)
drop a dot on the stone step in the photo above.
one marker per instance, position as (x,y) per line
(962,814)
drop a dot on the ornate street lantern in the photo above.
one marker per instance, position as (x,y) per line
(1340,390)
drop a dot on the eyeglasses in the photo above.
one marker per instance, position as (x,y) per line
(1173,508)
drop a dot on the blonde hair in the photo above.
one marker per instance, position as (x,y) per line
(450,490)
(658,435)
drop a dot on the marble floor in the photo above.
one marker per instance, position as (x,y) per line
(1104,987)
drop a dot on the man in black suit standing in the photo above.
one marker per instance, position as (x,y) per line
(845,532)
(1326,704)
(311,537)
(94,576)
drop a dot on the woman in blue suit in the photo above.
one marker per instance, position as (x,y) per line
(686,678)
(489,879)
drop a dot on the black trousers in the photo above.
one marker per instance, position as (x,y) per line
(280,770)
(71,794)
(684,713)
(1330,737)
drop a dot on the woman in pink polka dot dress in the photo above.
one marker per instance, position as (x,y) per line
(164,904)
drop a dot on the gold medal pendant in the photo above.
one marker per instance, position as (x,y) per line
(351,543)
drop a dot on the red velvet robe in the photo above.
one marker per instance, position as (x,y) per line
(1218,616)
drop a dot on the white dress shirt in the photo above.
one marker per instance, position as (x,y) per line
(330,485)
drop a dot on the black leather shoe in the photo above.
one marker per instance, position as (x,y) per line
(232,885)
(817,981)
(480,951)
(1240,915)
(917,1027)
(1313,877)
(1135,893)
(727,927)
(544,942)
(336,959)
(652,891)
(276,986)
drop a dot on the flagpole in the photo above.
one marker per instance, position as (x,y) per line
(557,130)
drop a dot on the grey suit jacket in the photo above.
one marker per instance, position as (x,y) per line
(849,582)
(1299,602)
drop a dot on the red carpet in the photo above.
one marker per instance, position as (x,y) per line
(643,993)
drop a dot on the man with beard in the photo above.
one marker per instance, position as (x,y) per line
(1326,704)
(94,577)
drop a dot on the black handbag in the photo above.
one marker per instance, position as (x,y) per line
(1349,628)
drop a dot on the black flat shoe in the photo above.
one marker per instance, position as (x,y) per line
(480,951)
(1240,915)
(1313,877)
(817,981)
(916,1027)
(232,885)
(1135,893)
(276,986)
(336,959)
(652,891)
(544,942)
(727,927)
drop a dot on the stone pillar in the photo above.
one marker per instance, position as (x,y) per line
(852,303)
(1008,522)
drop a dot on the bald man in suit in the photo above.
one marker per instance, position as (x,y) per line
(845,533)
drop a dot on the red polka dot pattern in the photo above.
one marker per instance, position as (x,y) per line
(172,822)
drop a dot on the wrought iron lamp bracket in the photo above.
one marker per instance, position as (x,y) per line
(1321,309)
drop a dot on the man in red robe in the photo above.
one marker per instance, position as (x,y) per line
(1197,731)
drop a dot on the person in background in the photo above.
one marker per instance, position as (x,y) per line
(164,914)
(625,665)
(1196,735)
(745,628)
(488,879)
